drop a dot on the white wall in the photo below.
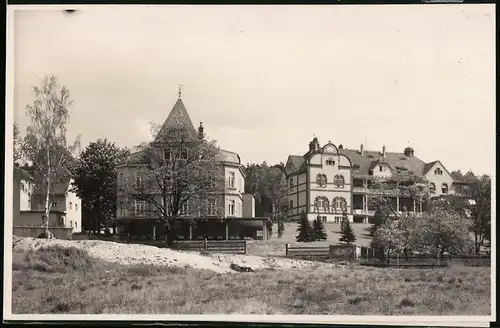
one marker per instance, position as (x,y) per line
(73,212)
(438,180)
(330,191)
(26,191)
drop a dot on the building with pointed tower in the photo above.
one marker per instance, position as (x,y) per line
(229,213)
(328,180)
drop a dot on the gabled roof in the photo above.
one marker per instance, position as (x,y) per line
(429,166)
(178,121)
(394,160)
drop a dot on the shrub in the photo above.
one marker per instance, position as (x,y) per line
(59,259)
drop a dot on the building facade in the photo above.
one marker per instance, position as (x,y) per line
(329,180)
(230,213)
(62,201)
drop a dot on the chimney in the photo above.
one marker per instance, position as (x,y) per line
(361,149)
(383,151)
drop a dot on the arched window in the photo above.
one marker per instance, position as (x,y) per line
(330,161)
(438,171)
(339,203)
(291,204)
(339,181)
(291,182)
(321,180)
(322,203)
(444,188)
(432,188)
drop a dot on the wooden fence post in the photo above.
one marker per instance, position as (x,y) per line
(205,244)
(245,246)
(286,250)
(397,260)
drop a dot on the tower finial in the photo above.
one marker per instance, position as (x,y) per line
(179,87)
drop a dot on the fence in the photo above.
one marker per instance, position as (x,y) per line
(307,252)
(376,257)
(218,246)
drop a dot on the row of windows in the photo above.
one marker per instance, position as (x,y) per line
(230,182)
(322,181)
(320,202)
(432,188)
(54,206)
(338,180)
(336,219)
(140,208)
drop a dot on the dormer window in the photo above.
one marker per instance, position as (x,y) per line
(381,168)
(291,183)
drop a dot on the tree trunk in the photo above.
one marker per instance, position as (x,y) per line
(47,209)
(171,233)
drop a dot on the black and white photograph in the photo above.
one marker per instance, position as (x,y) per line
(307,163)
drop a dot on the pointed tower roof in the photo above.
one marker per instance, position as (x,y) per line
(178,124)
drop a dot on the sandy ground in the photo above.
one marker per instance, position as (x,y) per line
(142,254)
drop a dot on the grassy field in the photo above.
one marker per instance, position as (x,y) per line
(69,281)
(276,246)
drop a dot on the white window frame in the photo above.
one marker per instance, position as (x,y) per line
(230,179)
(184,210)
(231,207)
(137,181)
(139,208)
(53,204)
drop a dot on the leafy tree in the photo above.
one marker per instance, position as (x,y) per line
(379,218)
(346,232)
(45,144)
(267,185)
(397,235)
(441,231)
(18,144)
(436,231)
(476,205)
(179,174)
(273,187)
(481,211)
(319,231)
(305,230)
(95,182)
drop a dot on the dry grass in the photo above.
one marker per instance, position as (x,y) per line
(276,246)
(59,280)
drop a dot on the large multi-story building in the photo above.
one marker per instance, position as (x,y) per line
(230,213)
(328,181)
(29,206)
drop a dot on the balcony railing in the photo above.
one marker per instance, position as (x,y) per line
(386,192)
(372,212)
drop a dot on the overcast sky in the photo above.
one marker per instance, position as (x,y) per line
(265,79)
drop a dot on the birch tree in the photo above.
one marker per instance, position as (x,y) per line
(45,145)
(176,177)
